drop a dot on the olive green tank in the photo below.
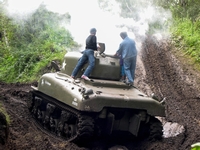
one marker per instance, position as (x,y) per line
(80,110)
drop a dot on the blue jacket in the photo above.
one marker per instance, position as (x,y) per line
(127,48)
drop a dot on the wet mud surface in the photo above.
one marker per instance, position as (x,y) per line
(158,71)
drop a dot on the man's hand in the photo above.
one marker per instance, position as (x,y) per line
(116,55)
(98,46)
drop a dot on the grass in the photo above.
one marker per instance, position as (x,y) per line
(3,111)
(186,35)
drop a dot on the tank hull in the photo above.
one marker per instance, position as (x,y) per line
(81,110)
(102,94)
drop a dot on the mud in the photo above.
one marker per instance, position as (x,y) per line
(160,70)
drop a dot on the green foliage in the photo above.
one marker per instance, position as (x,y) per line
(28,46)
(25,66)
(187,35)
(195,146)
(186,15)
(2,110)
(150,13)
(43,26)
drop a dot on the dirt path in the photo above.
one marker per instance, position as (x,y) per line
(175,80)
(158,71)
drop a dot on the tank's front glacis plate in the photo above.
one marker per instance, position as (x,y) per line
(95,95)
(61,88)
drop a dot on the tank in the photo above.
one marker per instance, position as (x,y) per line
(80,110)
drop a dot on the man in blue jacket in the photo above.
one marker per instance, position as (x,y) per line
(127,49)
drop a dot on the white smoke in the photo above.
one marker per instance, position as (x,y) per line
(86,14)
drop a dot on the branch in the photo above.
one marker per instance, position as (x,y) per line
(128,6)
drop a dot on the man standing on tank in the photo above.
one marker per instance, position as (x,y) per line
(88,55)
(127,49)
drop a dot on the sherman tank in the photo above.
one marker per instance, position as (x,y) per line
(81,110)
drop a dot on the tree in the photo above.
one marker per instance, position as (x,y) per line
(6,26)
(32,42)
(143,13)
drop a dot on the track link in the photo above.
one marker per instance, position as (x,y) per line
(60,120)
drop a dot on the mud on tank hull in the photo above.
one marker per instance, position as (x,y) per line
(78,110)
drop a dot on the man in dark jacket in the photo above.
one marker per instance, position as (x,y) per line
(88,55)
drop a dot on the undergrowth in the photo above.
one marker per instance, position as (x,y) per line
(3,111)
(186,35)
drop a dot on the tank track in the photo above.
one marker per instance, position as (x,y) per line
(61,120)
(37,125)
(153,130)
